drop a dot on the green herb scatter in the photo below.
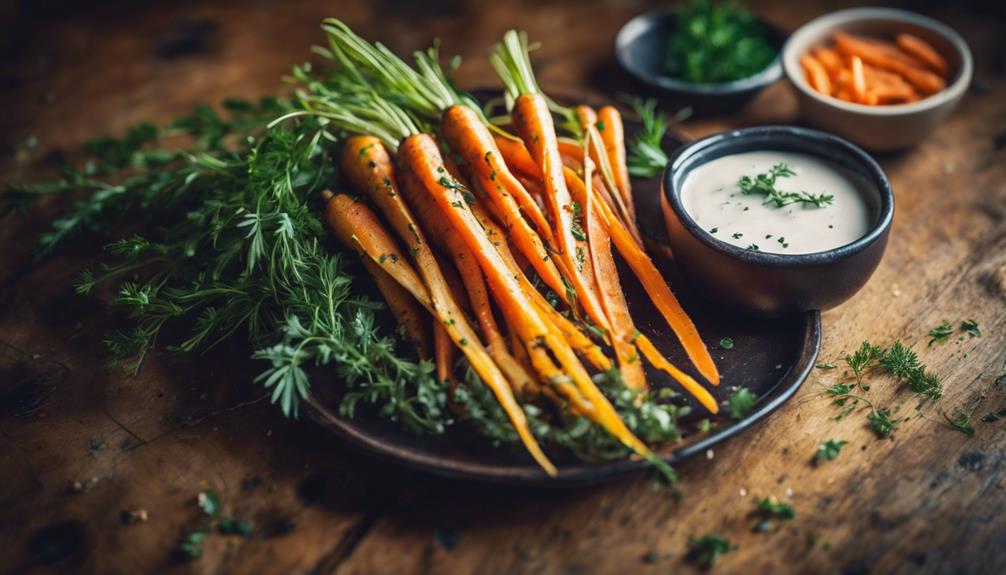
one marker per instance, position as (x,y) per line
(829,450)
(971,328)
(705,550)
(726,343)
(716,42)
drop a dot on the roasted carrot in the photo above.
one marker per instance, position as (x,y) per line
(656,287)
(609,124)
(469,137)
(533,120)
(889,58)
(924,52)
(444,351)
(817,76)
(378,175)
(517,156)
(419,152)
(585,115)
(448,239)
(358,228)
(610,290)
(691,386)
(403,306)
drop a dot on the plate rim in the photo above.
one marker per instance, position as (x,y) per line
(584,473)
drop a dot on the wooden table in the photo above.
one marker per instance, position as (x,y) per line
(929,500)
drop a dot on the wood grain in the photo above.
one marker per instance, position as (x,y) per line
(930,500)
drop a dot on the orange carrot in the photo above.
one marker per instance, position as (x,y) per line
(444,357)
(691,386)
(858,80)
(610,290)
(471,139)
(585,115)
(656,287)
(609,124)
(379,178)
(419,152)
(830,59)
(533,120)
(517,157)
(402,305)
(924,52)
(889,58)
(817,76)
(433,221)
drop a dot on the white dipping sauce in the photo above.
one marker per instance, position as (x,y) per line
(712,196)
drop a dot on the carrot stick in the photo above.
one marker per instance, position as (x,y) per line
(858,80)
(890,59)
(533,120)
(924,52)
(830,59)
(656,287)
(419,152)
(609,124)
(817,76)
(402,305)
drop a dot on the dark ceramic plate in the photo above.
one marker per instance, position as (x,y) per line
(771,357)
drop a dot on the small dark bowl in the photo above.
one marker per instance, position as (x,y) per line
(766,284)
(641,47)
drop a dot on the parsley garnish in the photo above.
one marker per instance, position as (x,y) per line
(882,423)
(941,333)
(741,402)
(829,450)
(707,549)
(971,327)
(862,358)
(764,184)
(769,508)
(726,343)
(646,157)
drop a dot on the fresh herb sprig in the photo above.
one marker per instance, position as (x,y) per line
(706,550)
(764,184)
(829,450)
(646,157)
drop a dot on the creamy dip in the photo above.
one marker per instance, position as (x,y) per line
(712,196)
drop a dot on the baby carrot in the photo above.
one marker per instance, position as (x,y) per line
(924,52)
(817,76)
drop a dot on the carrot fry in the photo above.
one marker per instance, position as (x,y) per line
(858,80)
(924,52)
(890,58)
(656,287)
(830,59)
(402,305)
(817,76)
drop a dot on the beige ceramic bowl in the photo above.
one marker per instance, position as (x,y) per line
(878,127)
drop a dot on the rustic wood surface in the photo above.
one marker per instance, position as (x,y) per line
(930,500)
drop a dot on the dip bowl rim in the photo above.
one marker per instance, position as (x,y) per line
(691,155)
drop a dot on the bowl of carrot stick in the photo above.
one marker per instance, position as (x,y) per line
(881,77)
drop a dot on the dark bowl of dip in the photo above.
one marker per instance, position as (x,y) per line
(768,284)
